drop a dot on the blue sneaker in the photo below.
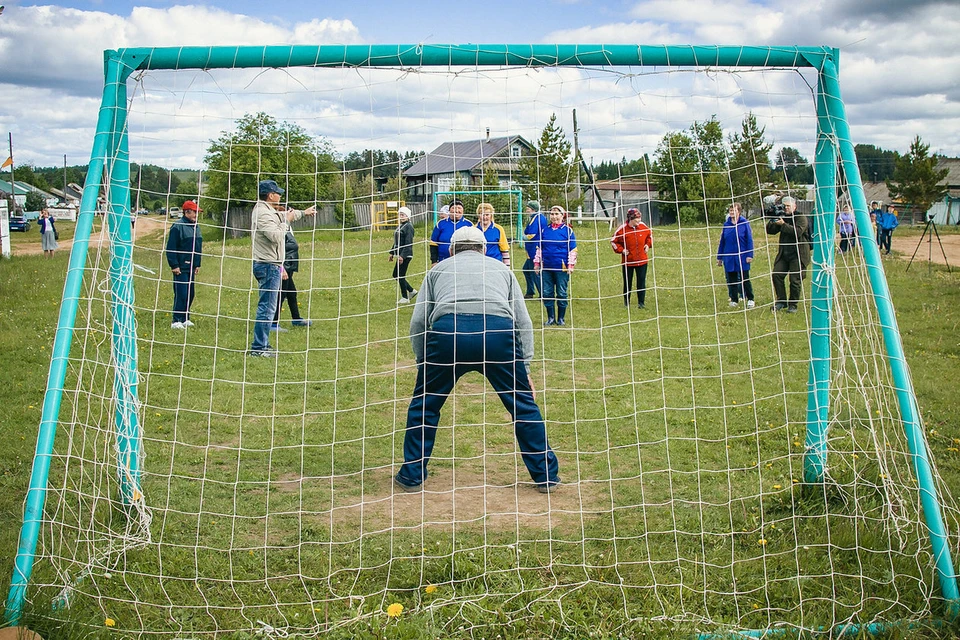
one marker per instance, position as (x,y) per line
(276,327)
(550,322)
(301,322)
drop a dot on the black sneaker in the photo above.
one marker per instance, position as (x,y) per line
(779,306)
(262,353)
(548,487)
(561,322)
(792,308)
(641,306)
(549,322)
(407,488)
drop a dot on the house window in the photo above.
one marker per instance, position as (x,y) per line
(516,151)
(445,183)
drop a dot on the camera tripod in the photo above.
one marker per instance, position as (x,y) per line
(930,230)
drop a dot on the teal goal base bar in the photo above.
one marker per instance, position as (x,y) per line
(109,155)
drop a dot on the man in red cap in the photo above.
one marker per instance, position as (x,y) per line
(184,251)
(631,241)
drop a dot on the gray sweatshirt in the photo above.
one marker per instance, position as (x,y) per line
(269,229)
(470,282)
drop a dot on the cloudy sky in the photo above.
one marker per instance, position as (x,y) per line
(900,73)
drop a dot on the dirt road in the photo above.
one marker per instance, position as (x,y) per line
(906,245)
(145,226)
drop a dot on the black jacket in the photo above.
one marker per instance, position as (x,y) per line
(794,237)
(291,256)
(184,245)
(403,241)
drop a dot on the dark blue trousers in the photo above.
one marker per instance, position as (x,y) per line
(457,344)
(183,292)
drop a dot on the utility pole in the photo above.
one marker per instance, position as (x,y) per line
(576,151)
(13,184)
(64,178)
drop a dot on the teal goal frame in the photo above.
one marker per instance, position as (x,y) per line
(110,158)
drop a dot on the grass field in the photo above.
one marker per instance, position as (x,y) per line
(679,431)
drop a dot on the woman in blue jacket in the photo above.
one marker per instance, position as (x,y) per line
(735,254)
(555,260)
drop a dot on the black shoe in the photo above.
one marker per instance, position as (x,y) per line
(548,487)
(792,308)
(779,306)
(549,322)
(641,306)
(262,353)
(407,488)
(529,296)
(561,322)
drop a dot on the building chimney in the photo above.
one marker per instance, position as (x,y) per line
(488,134)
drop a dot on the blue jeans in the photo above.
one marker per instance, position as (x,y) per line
(183,292)
(481,343)
(555,284)
(268,277)
(531,279)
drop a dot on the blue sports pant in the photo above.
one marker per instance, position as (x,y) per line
(183,292)
(455,345)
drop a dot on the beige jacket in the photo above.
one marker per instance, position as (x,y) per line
(269,228)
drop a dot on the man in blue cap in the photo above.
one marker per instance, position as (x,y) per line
(470,316)
(270,220)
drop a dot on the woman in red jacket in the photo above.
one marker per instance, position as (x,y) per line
(631,241)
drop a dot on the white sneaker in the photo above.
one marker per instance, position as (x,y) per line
(177,325)
(187,323)
(751,304)
(413,293)
(404,300)
(733,304)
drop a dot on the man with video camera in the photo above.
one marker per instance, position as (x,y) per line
(793,256)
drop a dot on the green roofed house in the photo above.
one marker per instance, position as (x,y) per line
(440,169)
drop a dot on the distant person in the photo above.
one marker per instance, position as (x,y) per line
(735,254)
(48,233)
(793,255)
(402,253)
(554,262)
(288,288)
(631,241)
(847,226)
(444,231)
(531,244)
(470,316)
(887,221)
(184,254)
(498,247)
(443,214)
(270,220)
(874,214)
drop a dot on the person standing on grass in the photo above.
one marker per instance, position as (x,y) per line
(887,221)
(793,254)
(847,226)
(184,253)
(402,252)
(631,241)
(270,220)
(498,247)
(470,316)
(531,244)
(288,288)
(440,238)
(48,233)
(556,257)
(735,254)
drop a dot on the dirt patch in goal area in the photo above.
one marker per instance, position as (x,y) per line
(144,227)
(906,245)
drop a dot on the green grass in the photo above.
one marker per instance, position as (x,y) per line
(679,432)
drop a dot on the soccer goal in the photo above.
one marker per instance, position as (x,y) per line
(727,470)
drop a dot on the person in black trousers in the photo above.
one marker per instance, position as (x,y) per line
(184,252)
(288,289)
(402,252)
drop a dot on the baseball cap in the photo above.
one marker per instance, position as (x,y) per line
(269,186)
(468,234)
(190,205)
(632,213)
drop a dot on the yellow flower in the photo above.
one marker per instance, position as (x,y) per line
(762,542)
(110,622)
(776,486)
(431,588)
(395,610)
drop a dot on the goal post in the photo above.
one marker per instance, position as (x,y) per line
(109,170)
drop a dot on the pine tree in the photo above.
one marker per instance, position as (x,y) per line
(551,170)
(749,163)
(916,178)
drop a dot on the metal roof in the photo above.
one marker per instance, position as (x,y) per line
(468,155)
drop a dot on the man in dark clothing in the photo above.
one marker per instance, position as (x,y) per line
(288,289)
(184,251)
(793,256)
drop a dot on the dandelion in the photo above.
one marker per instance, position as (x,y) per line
(158,414)
(762,542)
(431,588)
(110,622)
(769,465)
(756,606)
(855,456)
(394,610)
(30,406)
(777,486)
(795,481)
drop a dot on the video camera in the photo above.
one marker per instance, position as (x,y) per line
(773,207)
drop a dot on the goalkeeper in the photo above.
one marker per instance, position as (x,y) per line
(470,316)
